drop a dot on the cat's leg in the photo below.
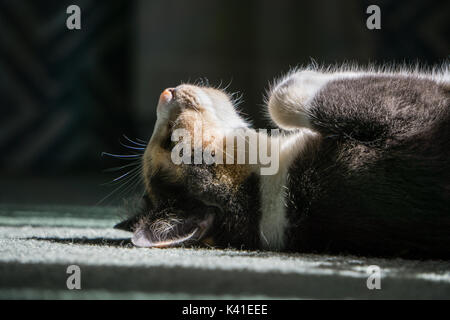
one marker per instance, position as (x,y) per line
(367,107)
(290,99)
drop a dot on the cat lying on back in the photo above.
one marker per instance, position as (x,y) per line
(364,169)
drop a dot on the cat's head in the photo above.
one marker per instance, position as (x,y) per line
(204,114)
(189,203)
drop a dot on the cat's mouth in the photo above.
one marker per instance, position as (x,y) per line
(171,231)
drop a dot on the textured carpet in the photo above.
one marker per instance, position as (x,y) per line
(38,243)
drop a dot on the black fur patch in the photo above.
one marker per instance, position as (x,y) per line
(237,213)
(378,180)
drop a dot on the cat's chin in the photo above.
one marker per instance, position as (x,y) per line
(167,234)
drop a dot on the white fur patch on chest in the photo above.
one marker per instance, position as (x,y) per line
(273,220)
(272,226)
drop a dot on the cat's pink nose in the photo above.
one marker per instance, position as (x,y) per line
(166,95)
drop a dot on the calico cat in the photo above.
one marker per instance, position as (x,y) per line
(364,168)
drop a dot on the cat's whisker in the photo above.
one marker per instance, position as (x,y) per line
(122,156)
(125,175)
(139,182)
(122,167)
(125,183)
(142,141)
(122,176)
(130,184)
(142,144)
(133,148)
(130,180)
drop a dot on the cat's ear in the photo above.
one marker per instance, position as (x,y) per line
(135,209)
(128,224)
(144,238)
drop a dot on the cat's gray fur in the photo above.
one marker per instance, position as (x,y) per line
(373,179)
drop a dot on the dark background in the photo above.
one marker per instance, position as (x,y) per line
(66,96)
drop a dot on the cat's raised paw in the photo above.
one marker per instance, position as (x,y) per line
(289,101)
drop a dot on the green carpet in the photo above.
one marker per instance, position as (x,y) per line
(38,243)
